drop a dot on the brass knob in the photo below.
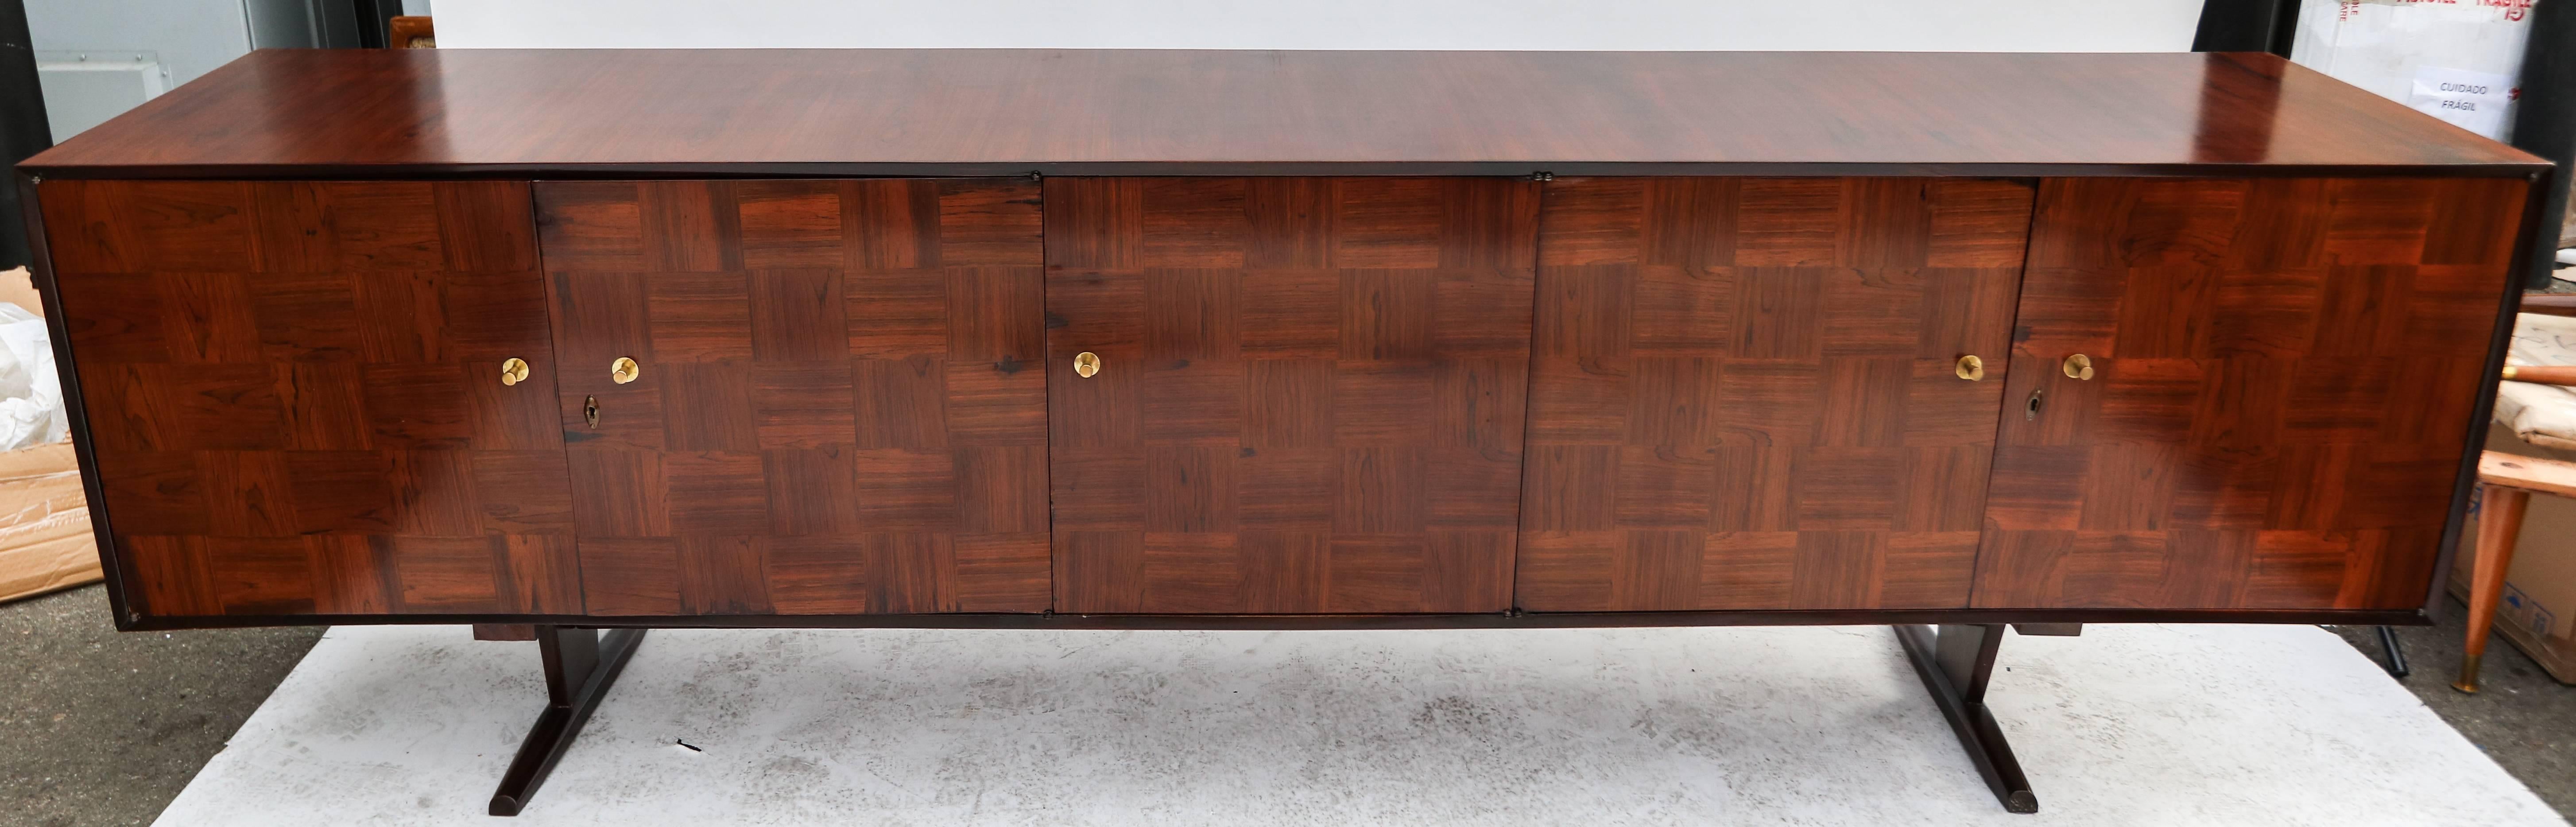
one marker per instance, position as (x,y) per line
(2078,366)
(1085,364)
(624,370)
(514,370)
(1971,368)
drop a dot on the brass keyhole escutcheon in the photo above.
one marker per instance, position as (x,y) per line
(514,370)
(2078,366)
(624,370)
(1971,368)
(2031,411)
(590,411)
(1086,364)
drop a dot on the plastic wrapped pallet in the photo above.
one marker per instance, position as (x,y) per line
(2453,59)
(45,540)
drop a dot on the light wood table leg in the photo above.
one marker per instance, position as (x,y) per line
(2499,525)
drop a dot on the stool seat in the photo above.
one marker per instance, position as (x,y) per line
(2534,401)
(2547,476)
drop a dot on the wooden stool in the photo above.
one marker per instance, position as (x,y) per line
(2510,481)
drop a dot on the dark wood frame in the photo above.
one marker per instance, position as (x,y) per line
(400,30)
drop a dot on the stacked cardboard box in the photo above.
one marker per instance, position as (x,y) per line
(2538,614)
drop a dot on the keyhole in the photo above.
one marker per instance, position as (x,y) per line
(2032,411)
(590,411)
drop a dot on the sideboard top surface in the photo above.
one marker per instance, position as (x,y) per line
(452,112)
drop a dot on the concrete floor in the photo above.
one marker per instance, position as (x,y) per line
(105,728)
(109,727)
(2127,726)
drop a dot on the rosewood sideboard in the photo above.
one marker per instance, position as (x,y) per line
(590,340)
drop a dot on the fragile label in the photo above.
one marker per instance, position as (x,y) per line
(2475,101)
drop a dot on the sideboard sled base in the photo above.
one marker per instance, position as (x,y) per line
(1955,661)
(580,665)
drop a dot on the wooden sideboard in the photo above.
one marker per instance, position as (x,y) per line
(1274,340)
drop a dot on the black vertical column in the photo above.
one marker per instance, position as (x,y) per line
(2246,26)
(23,130)
(355,24)
(2544,123)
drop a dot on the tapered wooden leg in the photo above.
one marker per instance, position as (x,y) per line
(2499,525)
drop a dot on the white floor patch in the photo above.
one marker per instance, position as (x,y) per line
(2126,725)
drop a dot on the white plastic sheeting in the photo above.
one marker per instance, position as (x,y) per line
(31,394)
(2452,60)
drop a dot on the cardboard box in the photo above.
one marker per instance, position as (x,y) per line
(2538,613)
(45,539)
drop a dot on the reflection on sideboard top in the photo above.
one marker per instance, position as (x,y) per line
(357,113)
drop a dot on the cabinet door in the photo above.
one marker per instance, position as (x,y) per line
(295,401)
(835,406)
(1309,397)
(1746,393)
(2284,377)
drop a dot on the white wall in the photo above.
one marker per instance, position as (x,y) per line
(192,37)
(1903,25)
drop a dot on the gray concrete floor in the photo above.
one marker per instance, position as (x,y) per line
(106,728)
(103,727)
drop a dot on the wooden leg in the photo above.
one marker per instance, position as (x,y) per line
(2499,525)
(1955,662)
(580,666)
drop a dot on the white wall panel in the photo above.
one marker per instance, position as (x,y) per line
(1902,25)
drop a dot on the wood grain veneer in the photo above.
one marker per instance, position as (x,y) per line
(1391,339)
(840,408)
(1745,391)
(1311,395)
(402,112)
(291,395)
(2285,376)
